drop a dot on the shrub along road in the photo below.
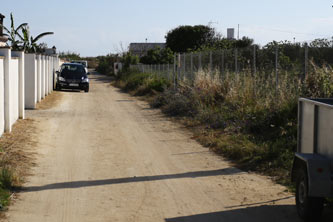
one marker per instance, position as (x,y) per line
(105,156)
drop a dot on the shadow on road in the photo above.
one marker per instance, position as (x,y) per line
(276,213)
(264,213)
(79,184)
(70,90)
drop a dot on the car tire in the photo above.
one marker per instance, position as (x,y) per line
(86,90)
(308,208)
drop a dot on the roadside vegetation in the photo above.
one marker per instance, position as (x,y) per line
(73,56)
(242,116)
(16,158)
(141,84)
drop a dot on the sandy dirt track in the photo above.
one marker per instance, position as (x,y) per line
(105,156)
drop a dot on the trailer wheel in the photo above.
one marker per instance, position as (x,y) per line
(308,208)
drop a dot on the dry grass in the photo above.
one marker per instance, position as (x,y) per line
(17,153)
(17,149)
(249,119)
(17,156)
(50,101)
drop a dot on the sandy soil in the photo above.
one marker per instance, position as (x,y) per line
(105,156)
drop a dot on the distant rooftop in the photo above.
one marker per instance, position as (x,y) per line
(140,49)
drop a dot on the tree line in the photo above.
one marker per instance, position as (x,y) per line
(201,38)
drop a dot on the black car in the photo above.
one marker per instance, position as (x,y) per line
(72,76)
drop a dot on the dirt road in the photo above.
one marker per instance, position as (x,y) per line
(105,156)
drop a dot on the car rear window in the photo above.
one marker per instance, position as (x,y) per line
(73,71)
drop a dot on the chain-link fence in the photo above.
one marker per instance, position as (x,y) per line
(271,63)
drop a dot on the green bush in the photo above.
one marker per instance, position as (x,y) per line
(6,184)
(141,83)
(6,178)
(178,102)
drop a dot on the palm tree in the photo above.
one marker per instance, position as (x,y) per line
(13,32)
(29,42)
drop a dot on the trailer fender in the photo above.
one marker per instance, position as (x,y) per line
(318,169)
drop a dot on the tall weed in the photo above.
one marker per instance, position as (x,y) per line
(251,119)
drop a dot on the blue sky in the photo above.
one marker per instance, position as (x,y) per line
(99,27)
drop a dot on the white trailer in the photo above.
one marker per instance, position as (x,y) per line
(313,163)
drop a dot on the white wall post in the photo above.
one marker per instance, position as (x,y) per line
(21,92)
(3,52)
(43,76)
(6,52)
(31,81)
(46,75)
(39,78)
(53,73)
(50,74)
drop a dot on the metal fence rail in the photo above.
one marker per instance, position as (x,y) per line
(246,61)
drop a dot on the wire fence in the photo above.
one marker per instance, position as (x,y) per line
(270,63)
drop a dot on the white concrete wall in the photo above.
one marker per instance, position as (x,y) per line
(43,77)
(2,96)
(46,75)
(30,81)
(21,82)
(6,52)
(51,74)
(56,68)
(25,79)
(10,89)
(60,62)
(14,90)
(39,78)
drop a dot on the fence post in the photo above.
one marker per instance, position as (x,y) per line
(276,66)
(192,66)
(211,61)
(163,69)
(184,64)
(199,60)
(222,64)
(306,60)
(236,61)
(254,61)
(174,71)
(168,71)
(179,67)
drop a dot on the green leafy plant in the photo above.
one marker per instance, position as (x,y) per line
(158,56)
(14,32)
(29,42)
